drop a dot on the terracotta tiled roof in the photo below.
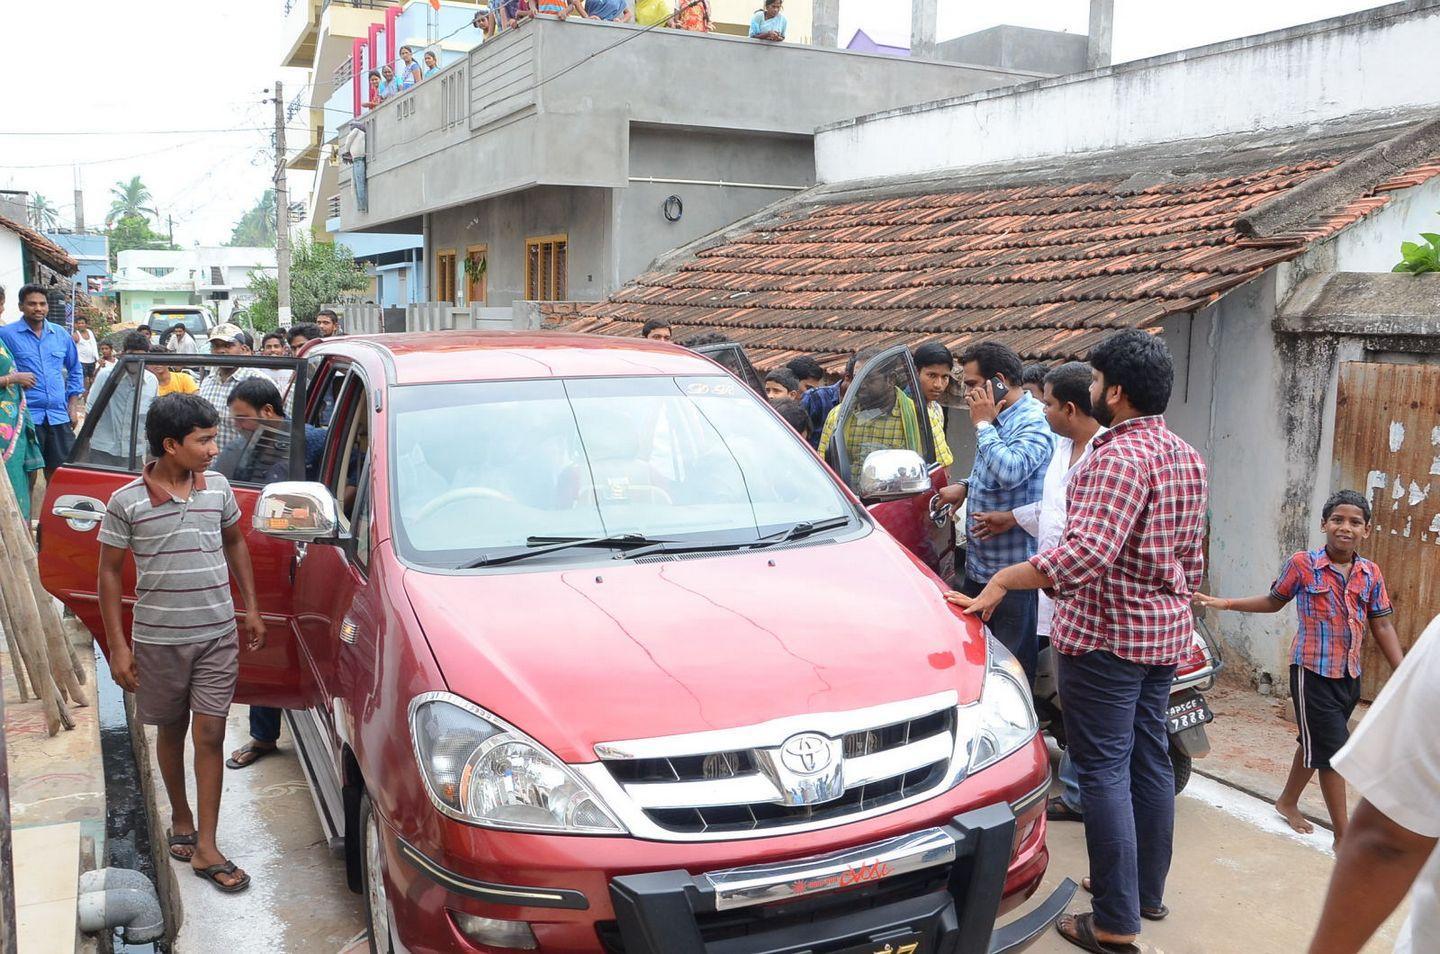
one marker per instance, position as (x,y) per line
(1050,270)
(42,248)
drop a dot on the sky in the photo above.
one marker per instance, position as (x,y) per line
(175,91)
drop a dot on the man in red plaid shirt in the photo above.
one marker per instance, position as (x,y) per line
(1122,575)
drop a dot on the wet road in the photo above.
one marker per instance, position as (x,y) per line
(1241,881)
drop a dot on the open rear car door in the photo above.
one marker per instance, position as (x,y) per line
(732,358)
(110,452)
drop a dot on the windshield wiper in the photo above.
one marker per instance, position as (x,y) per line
(804,528)
(544,545)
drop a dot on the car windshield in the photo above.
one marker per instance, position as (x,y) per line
(194,322)
(481,469)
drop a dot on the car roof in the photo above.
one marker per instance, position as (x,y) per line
(436,356)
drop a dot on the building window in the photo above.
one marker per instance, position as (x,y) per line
(545,271)
(445,275)
(477,269)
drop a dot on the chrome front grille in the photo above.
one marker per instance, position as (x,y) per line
(799,772)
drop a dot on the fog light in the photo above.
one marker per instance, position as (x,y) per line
(515,935)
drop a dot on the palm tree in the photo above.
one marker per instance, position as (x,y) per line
(43,215)
(129,199)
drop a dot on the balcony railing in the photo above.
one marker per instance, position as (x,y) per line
(357,4)
(342,73)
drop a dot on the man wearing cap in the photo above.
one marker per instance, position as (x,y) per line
(225,340)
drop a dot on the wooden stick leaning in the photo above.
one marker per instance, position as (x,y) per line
(26,629)
(21,547)
(17,661)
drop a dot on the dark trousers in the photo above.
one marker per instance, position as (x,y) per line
(1013,623)
(264,724)
(1115,729)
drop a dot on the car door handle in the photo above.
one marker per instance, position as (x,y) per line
(81,513)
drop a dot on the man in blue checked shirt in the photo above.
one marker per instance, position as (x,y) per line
(46,357)
(1013,445)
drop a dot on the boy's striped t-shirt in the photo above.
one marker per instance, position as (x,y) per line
(182,582)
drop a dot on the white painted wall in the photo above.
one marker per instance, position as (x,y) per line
(1306,75)
(12,273)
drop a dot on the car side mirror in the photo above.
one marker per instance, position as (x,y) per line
(891,474)
(299,510)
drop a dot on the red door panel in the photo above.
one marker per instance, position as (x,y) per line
(909,521)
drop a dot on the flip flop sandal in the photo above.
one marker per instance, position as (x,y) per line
(174,841)
(256,753)
(1057,810)
(212,873)
(1149,914)
(1084,936)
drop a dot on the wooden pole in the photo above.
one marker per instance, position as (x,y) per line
(21,548)
(27,630)
(17,662)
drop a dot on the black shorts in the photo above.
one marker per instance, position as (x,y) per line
(56,442)
(89,370)
(1323,707)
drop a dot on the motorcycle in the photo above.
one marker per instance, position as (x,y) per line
(1186,718)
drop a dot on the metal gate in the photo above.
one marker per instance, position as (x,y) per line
(1387,446)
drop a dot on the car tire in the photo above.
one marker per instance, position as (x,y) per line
(1181,764)
(372,870)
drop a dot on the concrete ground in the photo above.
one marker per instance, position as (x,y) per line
(297,902)
(1241,880)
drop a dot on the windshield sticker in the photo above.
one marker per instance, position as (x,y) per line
(718,388)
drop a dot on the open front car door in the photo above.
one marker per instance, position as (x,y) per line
(111,451)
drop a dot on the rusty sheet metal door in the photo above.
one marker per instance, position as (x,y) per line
(1387,445)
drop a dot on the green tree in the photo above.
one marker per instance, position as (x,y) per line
(43,215)
(257,226)
(320,272)
(129,200)
(133,231)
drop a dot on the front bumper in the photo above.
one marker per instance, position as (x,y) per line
(944,884)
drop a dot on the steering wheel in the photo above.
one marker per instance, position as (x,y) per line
(593,492)
(459,494)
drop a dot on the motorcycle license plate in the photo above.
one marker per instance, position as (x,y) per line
(909,943)
(1188,714)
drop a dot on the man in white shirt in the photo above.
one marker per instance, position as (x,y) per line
(121,427)
(1393,761)
(87,346)
(1066,395)
(182,341)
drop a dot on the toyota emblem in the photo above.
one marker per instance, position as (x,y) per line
(806,753)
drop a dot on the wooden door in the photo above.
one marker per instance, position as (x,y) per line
(1387,446)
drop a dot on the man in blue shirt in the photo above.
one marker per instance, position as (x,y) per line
(50,372)
(820,401)
(1013,446)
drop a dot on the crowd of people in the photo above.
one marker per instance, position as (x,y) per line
(1083,522)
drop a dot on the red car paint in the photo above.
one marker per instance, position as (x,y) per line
(576,657)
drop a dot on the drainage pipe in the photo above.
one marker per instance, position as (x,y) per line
(120,898)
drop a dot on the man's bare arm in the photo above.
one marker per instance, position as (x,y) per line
(1383,629)
(1377,863)
(122,660)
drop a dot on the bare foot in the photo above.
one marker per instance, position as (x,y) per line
(1297,821)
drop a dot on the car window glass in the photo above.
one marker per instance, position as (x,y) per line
(348,447)
(883,410)
(326,377)
(115,410)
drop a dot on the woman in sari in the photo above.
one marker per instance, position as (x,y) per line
(19,447)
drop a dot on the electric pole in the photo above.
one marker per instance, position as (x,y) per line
(282,212)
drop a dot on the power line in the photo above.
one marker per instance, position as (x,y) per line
(143,132)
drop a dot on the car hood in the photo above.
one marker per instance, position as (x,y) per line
(618,650)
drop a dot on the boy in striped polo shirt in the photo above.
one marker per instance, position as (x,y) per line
(1338,593)
(181,522)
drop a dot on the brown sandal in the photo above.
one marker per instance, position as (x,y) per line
(1084,936)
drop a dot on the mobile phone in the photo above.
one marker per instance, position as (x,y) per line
(998,388)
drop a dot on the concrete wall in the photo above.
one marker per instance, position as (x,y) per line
(541,106)
(12,273)
(1308,74)
(1018,48)
(503,224)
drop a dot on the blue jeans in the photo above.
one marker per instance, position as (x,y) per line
(264,724)
(1013,623)
(1115,727)
(362,188)
(1070,782)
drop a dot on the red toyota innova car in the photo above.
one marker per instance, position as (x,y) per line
(583,649)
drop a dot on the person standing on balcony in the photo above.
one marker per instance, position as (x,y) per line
(390,84)
(769,24)
(410,73)
(432,65)
(377,90)
(560,9)
(616,11)
(693,15)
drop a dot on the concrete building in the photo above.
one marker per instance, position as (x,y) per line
(219,277)
(561,157)
(1245,200)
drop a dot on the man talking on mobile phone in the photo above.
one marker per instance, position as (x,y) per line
(1013,446)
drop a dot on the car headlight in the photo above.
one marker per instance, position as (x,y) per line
(1003,720)
(482,770)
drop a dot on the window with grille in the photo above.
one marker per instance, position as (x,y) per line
(445,275)
(545,268)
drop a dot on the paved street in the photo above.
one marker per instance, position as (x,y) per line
(1241,880)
